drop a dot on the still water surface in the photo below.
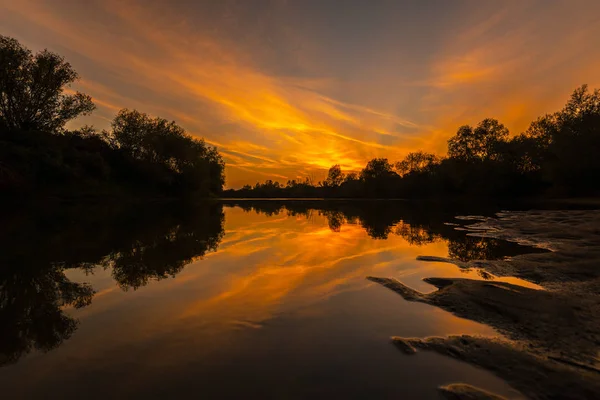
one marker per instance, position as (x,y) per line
(242,300)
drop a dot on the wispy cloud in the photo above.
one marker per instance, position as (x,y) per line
(498,62)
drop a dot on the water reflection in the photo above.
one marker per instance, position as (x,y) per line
(286,277)
(417,224)
(137,246)
(31,302)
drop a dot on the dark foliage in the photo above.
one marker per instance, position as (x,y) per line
(32,89)
(140,156)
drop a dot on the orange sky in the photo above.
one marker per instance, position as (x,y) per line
(286,89)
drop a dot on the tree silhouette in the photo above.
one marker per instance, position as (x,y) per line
(166,144)
(377,168)
(335,177)
(140,157)
(379,178)
(32,89)
(417,162)
(480,143)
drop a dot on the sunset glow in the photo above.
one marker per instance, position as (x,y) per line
(285,89)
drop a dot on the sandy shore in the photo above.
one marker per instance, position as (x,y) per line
(550,346)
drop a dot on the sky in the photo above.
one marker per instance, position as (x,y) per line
(287,88)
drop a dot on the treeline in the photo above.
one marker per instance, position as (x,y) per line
(139,156)
(556,156)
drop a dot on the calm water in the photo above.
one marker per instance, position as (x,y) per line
(246,300)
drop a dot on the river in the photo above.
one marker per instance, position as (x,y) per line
(262,299)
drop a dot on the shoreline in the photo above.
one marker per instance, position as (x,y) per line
(550,338)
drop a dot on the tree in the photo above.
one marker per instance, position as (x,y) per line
(158,141)
(379,179)
(351,177)
(480,143)
(416,162)
(572,157)
(335,177)
(377,168)
(151,139)
(32,89)
(543,129)
(461,146)
(582,104)
(524,153)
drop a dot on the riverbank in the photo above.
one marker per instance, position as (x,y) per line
(550,341)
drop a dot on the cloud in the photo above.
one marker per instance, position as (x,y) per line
(276,108)
(514,63)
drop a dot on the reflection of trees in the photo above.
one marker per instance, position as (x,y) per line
(379,219)
(335,220)
(466,248)
(417,224)
(416,235)
(139,245)
(158,254)
(31,315)
(472,248)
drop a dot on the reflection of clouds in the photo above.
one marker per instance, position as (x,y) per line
(265,266)
(216,304)
(303,263)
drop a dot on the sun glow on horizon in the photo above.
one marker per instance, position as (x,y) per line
(280,104)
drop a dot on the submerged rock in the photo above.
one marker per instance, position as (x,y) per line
(550,323)
(462,391)
(534,376)
(554,335)
(403,345)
